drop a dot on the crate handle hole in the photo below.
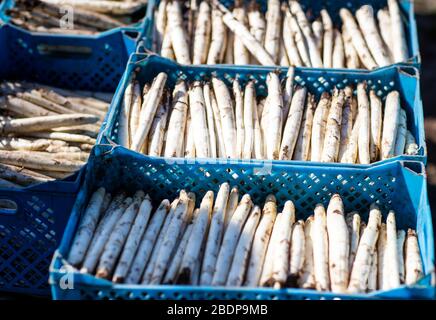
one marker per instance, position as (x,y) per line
(8,207)
(66,51)
(414,166)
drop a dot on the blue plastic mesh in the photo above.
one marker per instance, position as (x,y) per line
(313,7)
(399,186)
(405,80)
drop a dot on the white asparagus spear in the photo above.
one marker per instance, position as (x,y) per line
(376,126)
(218,38)
(365,18)
(123,127)
(68,137)
(148,240)
(385,27)
(293,124)
(357,38)
(217,118)
(239,115)
(318,127)
(210,122)
(166,50)
(117,239)
(364,124)
(215,236)
(242,251)
(174,265)
(328,39)
(177,122)
(318,33)
(297,254)
(346,123)
(197,109)
(399,43)
(288,91)
(182,216)
(272,33)
(372,277)
(401,238)
(300,42)
(266,275)
(241,54)
(351,57)
(133,240)
(161,22)
(249,106)
(289,43)
(365,252)
(320,249)
(105,227)
(330,149)
(202,34)
(283,60)
(258,138)
(413,263)
(24,108)
(382,263)
(148,111)
(339,245)
(302,148)
(338,51)
(353,223)
(275,106)
(350,153)
(260,244)
(199,232)
(315,57)
(86,228)
(411,147)
(256,21)
(158,128)
(282,251)
(13,143)
(46,122)
(391,254)
(179,37)
(232,204)
(390,124)
(307,278)
(230,241)
(255,48)
(400,142)
(149,268)
(228,124)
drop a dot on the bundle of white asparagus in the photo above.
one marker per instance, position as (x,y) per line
(209,33)
(233,242)
(75,16)
(210,120)
(46,133)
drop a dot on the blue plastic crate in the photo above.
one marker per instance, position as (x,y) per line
(313,7)
(30,234)
(399,185)
(404,79)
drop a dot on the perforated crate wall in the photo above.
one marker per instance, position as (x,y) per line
(29,235)
(313,7)
(91,63)
(399,186)
(382,81)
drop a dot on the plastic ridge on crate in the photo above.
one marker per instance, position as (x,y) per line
(332,6)
(30,234)
(405,79)
(399,185)
(139,26)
